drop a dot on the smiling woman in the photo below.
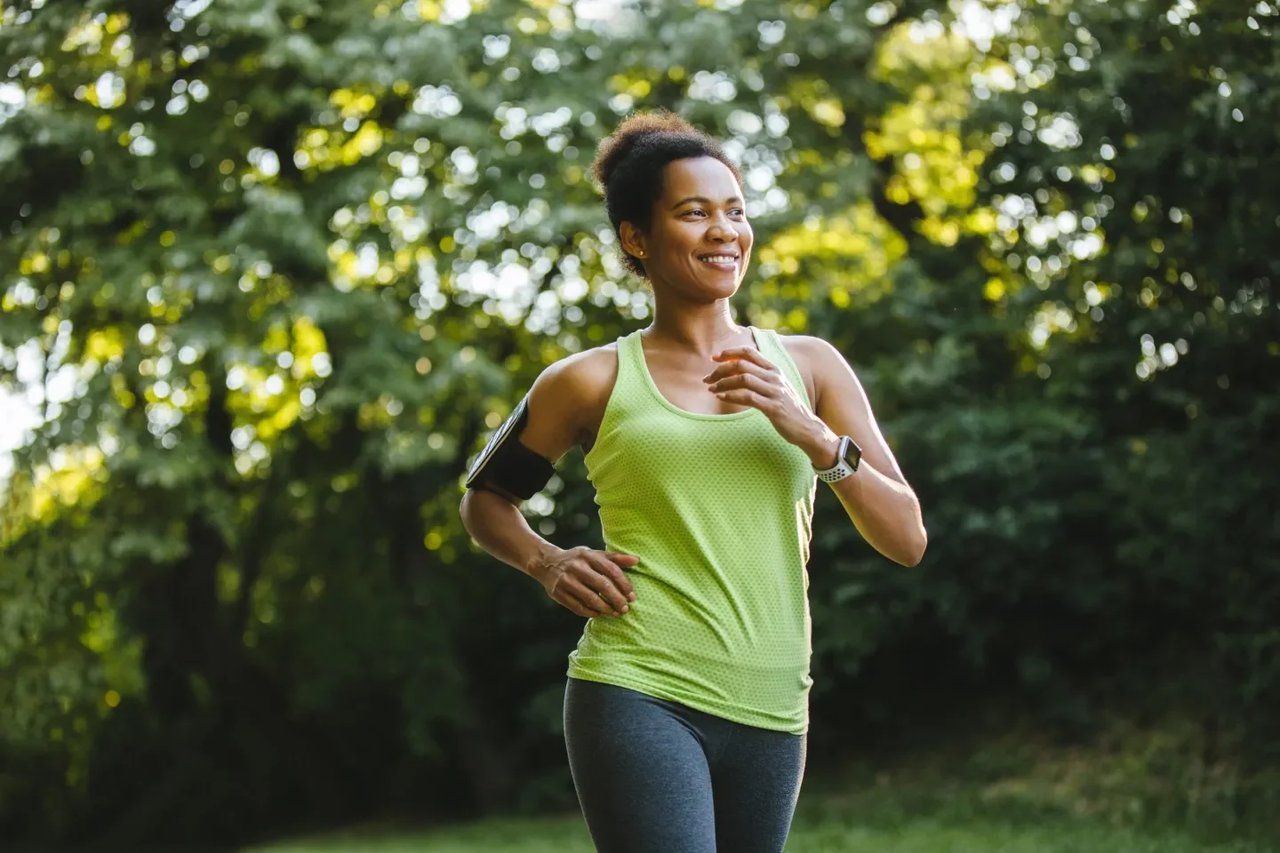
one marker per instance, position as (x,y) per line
(686,707)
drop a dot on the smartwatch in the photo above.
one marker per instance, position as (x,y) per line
(847,457)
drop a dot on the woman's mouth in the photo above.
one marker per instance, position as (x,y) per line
(720,261)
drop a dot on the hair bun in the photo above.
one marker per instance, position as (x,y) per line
(615,147)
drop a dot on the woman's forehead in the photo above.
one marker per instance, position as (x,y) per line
(704,177)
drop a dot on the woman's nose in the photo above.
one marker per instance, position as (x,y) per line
(722,229)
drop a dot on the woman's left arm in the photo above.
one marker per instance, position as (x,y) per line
(877,498)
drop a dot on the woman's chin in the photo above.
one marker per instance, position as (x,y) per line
(721,289)
(714,285)
(720,280)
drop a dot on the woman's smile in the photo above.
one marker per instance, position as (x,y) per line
(727,262)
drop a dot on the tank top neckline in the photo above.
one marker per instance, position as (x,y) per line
(638,344)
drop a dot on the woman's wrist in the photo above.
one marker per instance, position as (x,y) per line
(535,565)
(822,447)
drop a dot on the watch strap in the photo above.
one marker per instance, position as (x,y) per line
(846,449)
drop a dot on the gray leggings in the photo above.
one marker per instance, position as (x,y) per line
(655,776)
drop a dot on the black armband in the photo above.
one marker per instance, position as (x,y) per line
(507,464)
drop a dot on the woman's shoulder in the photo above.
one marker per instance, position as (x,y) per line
(815,358)
(809,348)
(813,354)
(568,399)
(581,378)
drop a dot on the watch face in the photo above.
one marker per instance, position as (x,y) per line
(850,453)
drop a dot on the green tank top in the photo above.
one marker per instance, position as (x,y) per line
(719,510)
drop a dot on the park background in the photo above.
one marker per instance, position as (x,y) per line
(273,269)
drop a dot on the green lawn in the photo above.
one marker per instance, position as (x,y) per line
(1011,794)
(818,829)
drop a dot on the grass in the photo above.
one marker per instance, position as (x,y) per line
(1131,790)
(824,824)
(925,834)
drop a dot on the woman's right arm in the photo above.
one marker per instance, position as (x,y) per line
(587,581)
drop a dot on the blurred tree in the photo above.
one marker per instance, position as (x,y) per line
(1136,178)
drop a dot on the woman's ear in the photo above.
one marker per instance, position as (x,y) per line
(633,240)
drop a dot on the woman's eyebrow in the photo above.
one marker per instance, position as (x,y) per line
(702,200)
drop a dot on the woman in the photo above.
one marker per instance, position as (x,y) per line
(686,705)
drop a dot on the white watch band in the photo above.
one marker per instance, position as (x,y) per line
(841,469)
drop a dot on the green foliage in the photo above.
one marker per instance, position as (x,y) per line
(272,272)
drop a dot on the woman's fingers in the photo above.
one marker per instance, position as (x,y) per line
(583,600)
(607,580)
(567,591)
(612,565)
(573,604)
(750,354)
(592,583)
(749,381)
(746,397)
(596,579)
(766,382)
(739,366)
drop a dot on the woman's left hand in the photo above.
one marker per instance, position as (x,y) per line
(744,376)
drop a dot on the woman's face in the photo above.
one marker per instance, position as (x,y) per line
(698,242)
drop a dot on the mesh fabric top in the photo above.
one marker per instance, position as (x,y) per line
(719,509)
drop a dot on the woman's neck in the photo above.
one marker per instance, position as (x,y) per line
(703,332)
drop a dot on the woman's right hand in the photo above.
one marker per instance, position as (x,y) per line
(587,581)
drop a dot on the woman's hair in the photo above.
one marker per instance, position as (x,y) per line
(629,165)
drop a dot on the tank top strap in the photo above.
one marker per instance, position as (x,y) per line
(776,351)
(629,394)
(630,380)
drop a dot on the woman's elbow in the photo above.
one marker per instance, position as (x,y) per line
(467,509)
(914,552)
(478,504)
